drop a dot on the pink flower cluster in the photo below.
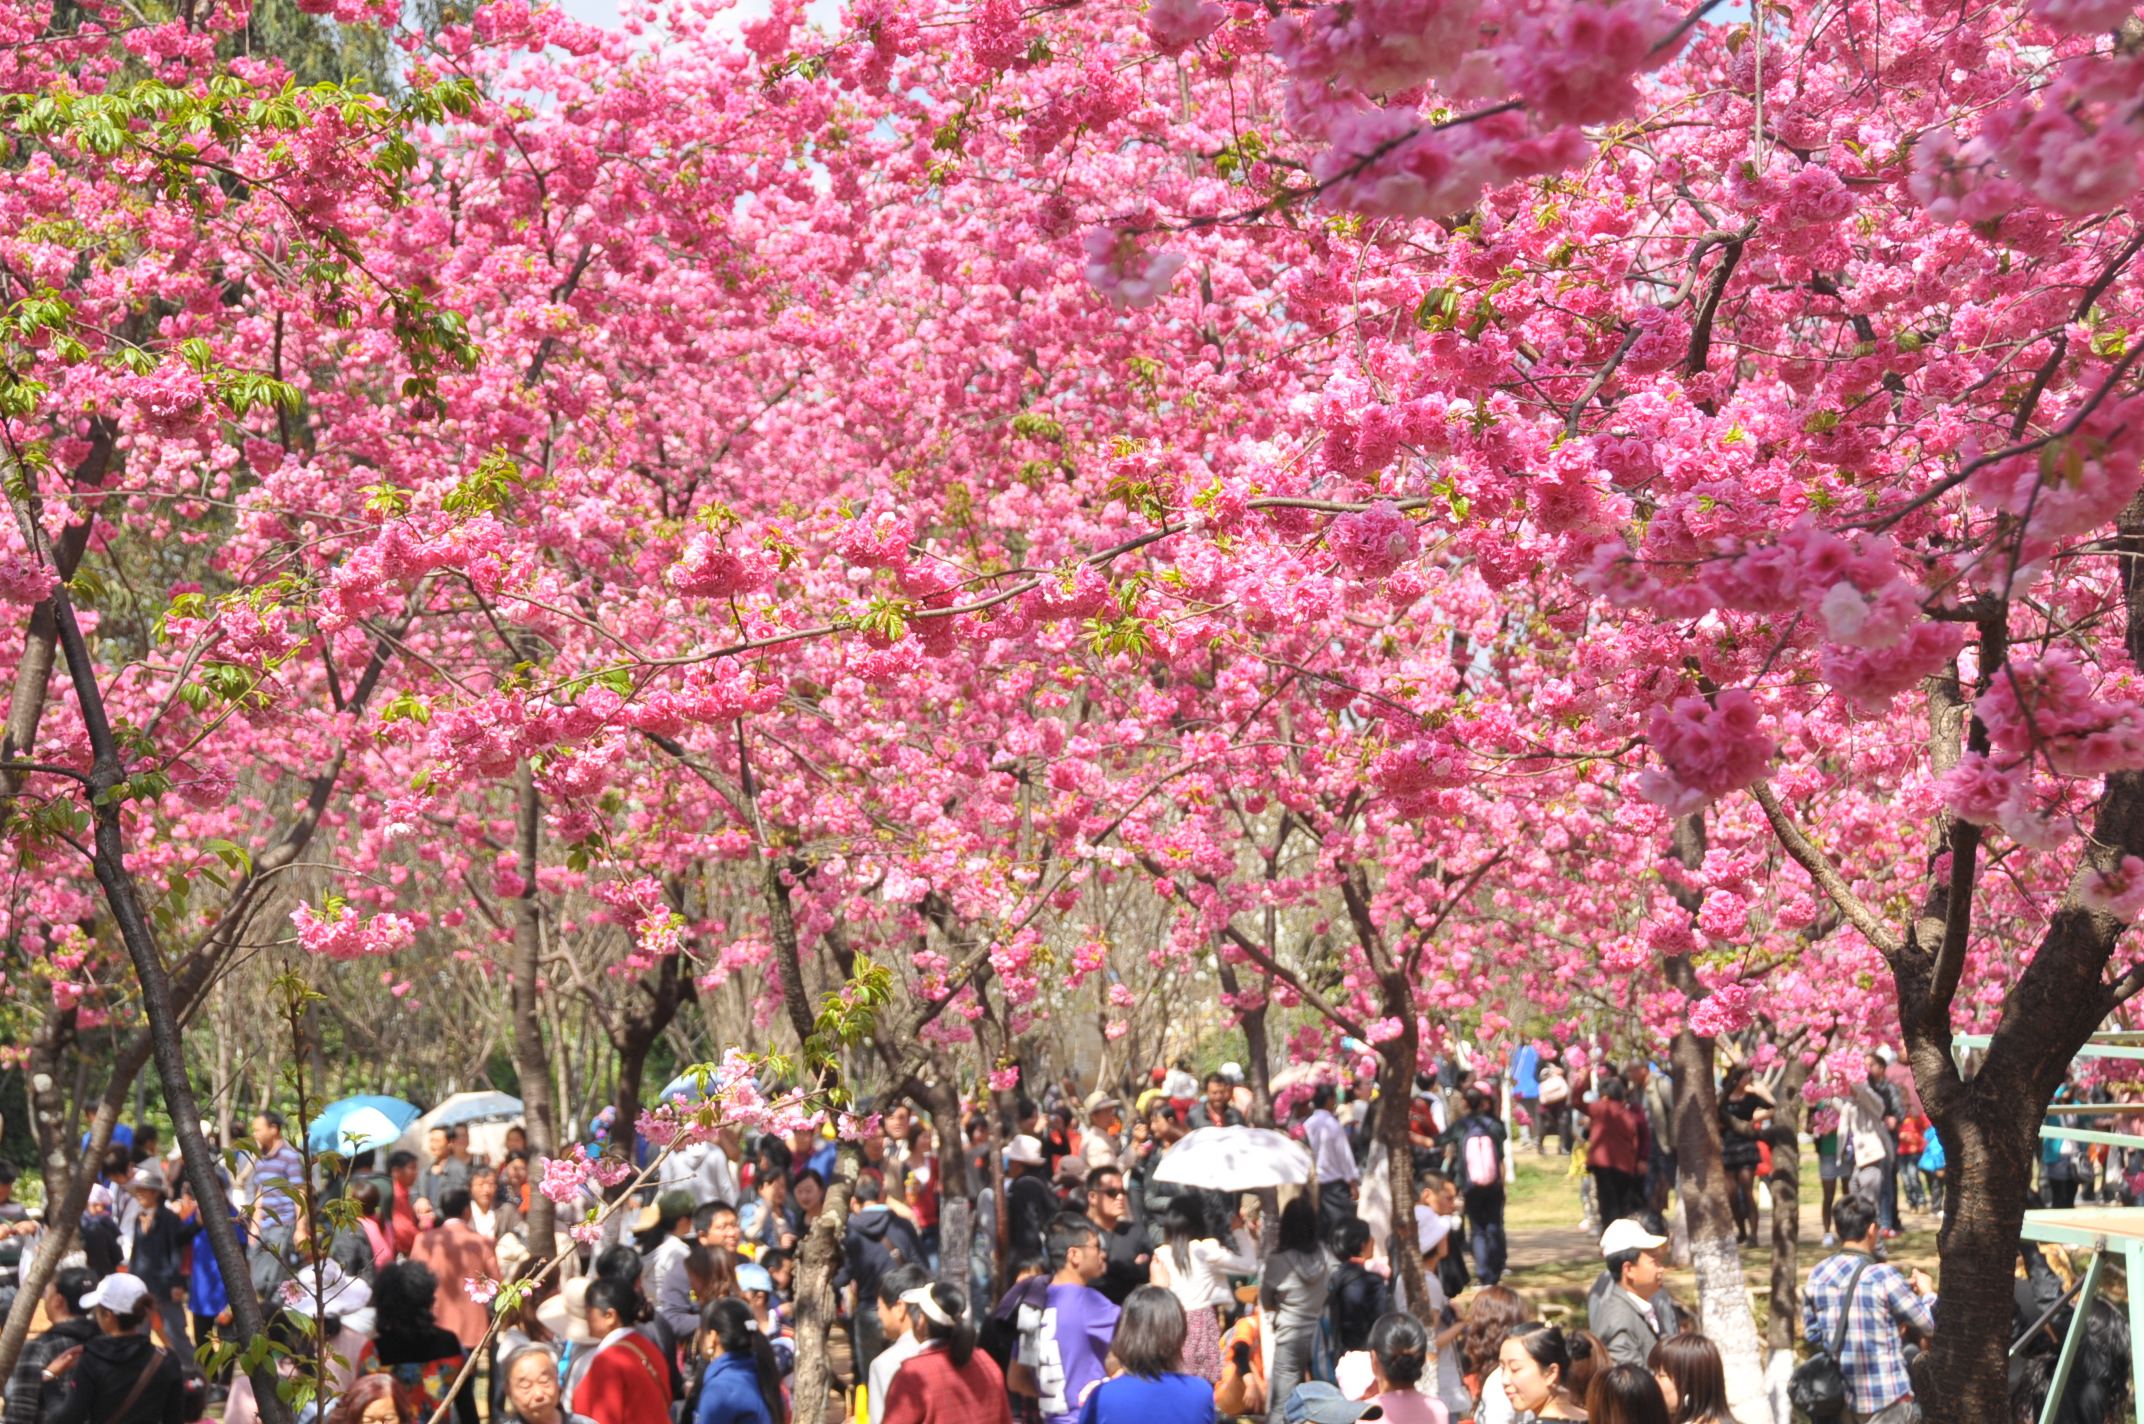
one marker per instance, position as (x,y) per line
(1176,25)
(1706,749)
(1373,543)
(2047,707)
(711,568)
(339,932)
(1125,275)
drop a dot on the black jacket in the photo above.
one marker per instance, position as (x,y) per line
(160,1242)
(878,1240)
(106,1374)
(1130,1262)
(1359,1298)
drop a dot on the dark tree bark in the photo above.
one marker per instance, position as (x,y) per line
(107,775)
(654,1002)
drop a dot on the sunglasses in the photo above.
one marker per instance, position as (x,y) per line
(1109,1191)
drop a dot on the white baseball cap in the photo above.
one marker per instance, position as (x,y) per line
(1629,1234)
(1026,1149)
(121,1295)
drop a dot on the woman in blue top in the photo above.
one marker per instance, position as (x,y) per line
(1149,1348)
(742,1384)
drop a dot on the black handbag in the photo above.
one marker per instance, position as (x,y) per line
(1817,1388)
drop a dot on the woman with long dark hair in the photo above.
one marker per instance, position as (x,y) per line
(423,1358)
(742,1384)
(1293,1289)
(1739,1131)
(949,1381)
(1693,1378)
(1194,1266)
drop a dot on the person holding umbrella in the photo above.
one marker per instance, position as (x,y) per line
(1195,1267)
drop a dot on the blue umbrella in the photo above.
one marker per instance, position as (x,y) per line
(323,1133)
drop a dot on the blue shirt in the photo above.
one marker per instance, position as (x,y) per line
(1170,1399)
(729,1393)
(1526,1072)
(1872,1359)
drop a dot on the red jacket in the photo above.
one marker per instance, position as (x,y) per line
(928,1390)
(1621,1138)
(627,1383)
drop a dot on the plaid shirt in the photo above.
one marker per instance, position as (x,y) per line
(1872,1360)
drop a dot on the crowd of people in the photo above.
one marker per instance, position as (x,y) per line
(1092,1290)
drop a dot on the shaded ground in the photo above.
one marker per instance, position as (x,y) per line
(1553,1260)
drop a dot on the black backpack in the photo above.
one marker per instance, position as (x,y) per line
(1817,1388)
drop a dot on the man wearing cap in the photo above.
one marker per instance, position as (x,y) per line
(1634,1313)
(1028,1198)
(121,1375)
(72,1325)
(1100,1144)
(158,1254)
(1316,1402)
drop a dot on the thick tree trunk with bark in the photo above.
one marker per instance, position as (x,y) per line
(1395,1091)
(1722,1299)
(48,1101)
(641,1024)
(530,1063)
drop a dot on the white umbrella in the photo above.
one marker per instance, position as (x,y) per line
(1236,1159)
(364,1129)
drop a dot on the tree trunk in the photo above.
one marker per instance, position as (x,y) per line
(531,1065)
(49,1121)
(107,775)
(666,990)
(1783,1316)
(60,1224)
(1722,1299)
(1395,1092)
(1256,1050)
(816,1317)
(956,1223)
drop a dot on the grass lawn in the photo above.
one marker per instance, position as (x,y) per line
(1553,1260)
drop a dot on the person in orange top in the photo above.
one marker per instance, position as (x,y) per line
(627,1381)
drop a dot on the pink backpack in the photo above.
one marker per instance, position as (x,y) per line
(1481,1160)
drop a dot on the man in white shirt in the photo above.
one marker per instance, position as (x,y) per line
(1332,1158)
(898,1321)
